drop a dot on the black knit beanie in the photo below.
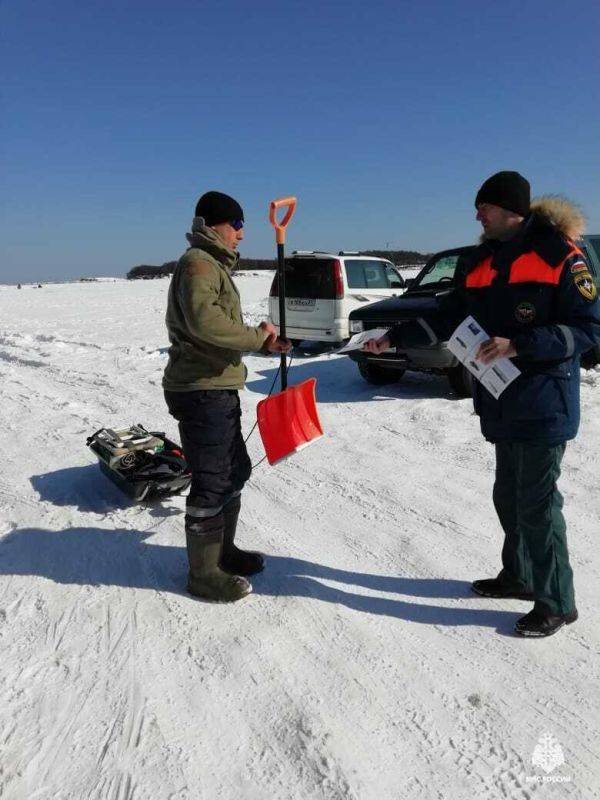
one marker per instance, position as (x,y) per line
(216,207)
(508,190)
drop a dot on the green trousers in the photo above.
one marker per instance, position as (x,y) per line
(535,555)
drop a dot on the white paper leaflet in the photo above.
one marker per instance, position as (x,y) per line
(465,342)
(360,339)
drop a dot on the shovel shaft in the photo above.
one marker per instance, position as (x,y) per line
(282,330)
(289,204)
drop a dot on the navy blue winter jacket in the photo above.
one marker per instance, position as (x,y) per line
(536,290)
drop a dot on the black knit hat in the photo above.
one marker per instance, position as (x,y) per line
(216,207)
(508,190)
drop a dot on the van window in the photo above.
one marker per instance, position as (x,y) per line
(367,275)
(311,278)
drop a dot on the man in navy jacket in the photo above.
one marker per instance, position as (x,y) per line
(529,286)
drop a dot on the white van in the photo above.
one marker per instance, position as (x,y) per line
(323,288)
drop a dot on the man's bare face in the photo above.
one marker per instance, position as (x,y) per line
(497,223)
(231,238)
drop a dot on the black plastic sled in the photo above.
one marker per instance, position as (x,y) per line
(143,464)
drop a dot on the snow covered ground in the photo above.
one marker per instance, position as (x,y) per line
(361,666)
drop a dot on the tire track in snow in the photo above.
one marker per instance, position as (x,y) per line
(50,754)
(116,759)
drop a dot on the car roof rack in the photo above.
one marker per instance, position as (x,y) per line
(312,253)
(349,253)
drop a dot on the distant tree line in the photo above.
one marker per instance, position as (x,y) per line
(147,271)
(399,257)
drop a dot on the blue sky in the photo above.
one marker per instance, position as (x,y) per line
(382,117)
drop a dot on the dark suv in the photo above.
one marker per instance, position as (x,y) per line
(436,279)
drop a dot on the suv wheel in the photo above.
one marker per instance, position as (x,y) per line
(379,376)
(461,380)
(591,358)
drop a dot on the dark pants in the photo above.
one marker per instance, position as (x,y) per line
(211,437)
(535,555)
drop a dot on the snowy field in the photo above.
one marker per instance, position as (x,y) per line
(361,667)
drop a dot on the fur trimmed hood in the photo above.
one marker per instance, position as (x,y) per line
(556,213)
(562,214)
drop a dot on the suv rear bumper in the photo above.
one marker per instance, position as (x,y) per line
(435,358)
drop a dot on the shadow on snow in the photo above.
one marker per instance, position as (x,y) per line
(338,381)
(79,487)
(90,491)
(99,556)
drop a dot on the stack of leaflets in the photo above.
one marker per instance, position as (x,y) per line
(464,344)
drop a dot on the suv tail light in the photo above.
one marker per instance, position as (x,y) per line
(338,280)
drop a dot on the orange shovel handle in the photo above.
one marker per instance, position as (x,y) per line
(283,202)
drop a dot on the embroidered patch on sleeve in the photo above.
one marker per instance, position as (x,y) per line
(579,266)
(586,286)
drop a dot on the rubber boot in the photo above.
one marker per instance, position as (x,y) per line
(234,560)
(204,538)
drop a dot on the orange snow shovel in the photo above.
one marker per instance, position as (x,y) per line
(287,421)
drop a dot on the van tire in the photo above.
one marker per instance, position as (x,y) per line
(461,380)
(379,376)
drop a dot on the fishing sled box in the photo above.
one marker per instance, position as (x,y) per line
(143,464)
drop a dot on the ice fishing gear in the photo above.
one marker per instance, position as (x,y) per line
(287,421)
(142,463)
(120,447)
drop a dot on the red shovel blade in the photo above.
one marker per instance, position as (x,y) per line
(289,421)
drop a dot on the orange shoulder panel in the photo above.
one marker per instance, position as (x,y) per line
(530,268)
(482,275)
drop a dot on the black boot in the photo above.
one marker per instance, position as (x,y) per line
(538,623)
(204,538)
(234,560)
(494,587)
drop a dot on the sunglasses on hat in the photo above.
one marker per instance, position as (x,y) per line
(237,224)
